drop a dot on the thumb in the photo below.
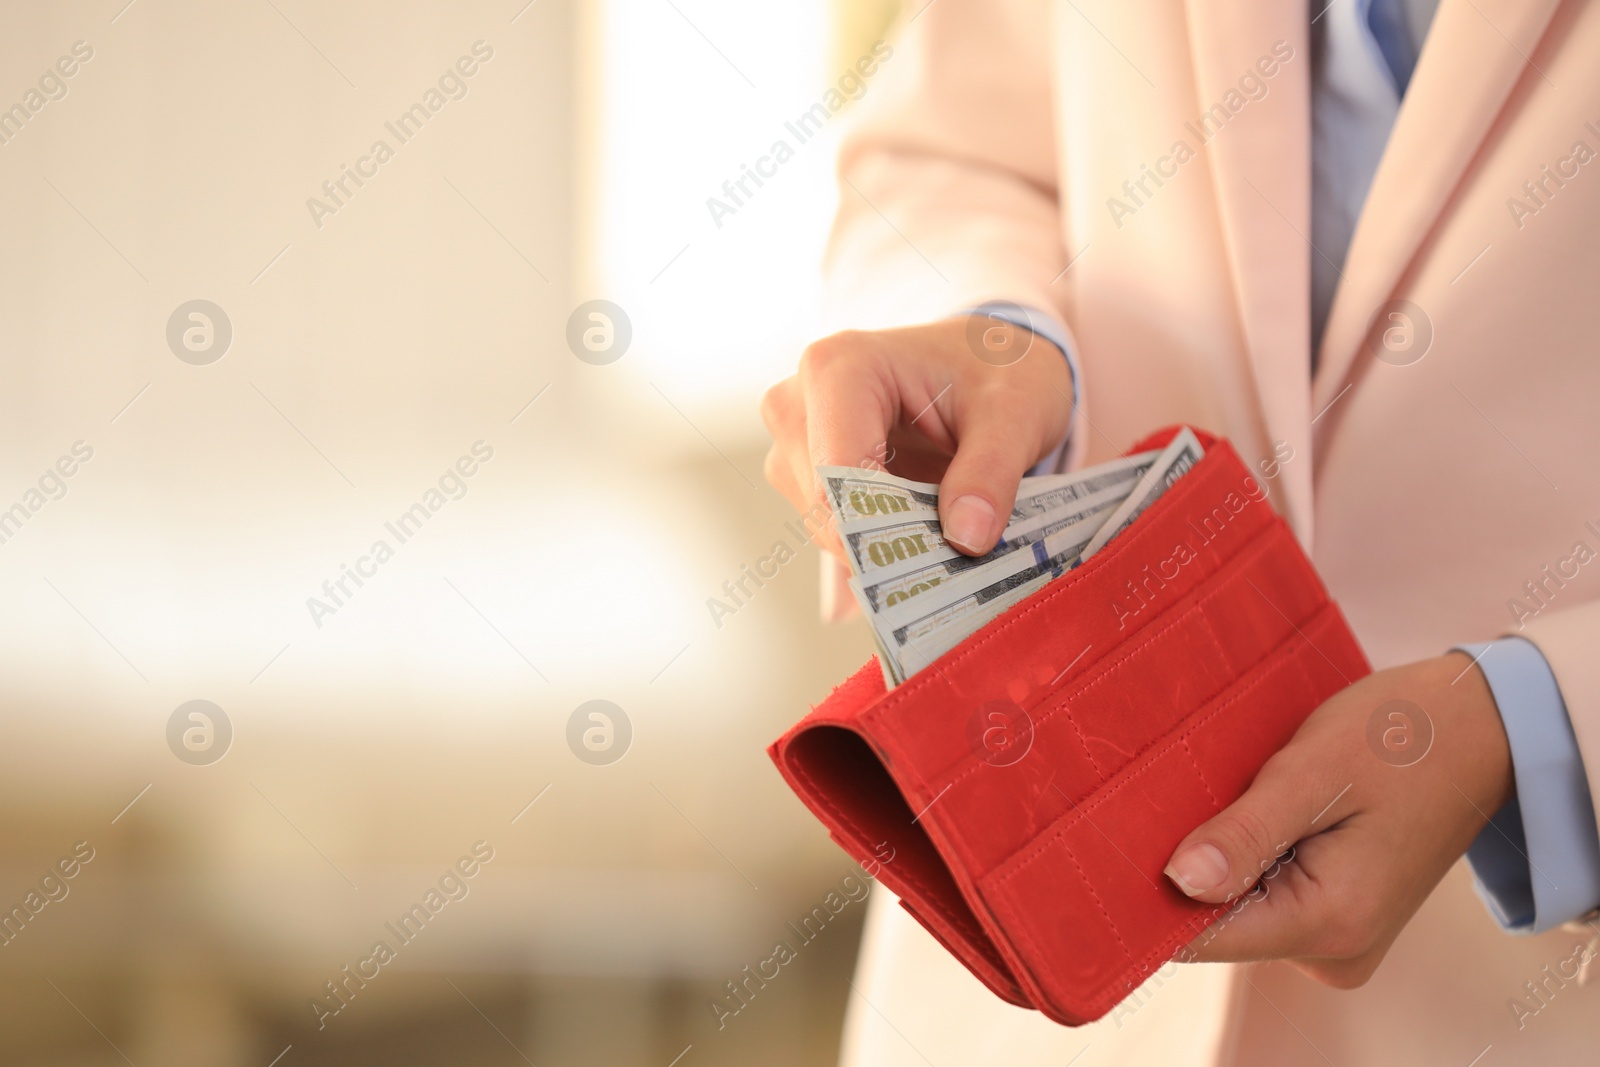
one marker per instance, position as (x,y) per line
(998,438)
(1226,855)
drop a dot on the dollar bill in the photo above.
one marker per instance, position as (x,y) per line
(1175,460)
(923,597)
(874,552)
(915,646)
(881,551)
(916,633)
(861,495)
(1055,552)
(896,552)
(865,499)
(897,583)
(1050,493)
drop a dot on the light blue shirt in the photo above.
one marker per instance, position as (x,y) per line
(1537,862)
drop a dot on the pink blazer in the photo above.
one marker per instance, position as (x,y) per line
(1141,169)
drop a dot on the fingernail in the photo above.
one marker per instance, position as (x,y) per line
(968,520)
(1198,869)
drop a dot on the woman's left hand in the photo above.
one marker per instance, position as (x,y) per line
(1379,793)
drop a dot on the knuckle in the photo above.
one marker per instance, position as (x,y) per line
(1284,764)
(777,403)
(826,355)
(1252,838)
(773,468)
(820,515)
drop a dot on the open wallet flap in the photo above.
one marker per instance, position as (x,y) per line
(1031,784)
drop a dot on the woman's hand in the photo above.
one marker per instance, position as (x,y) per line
(970,403)
(1379,793)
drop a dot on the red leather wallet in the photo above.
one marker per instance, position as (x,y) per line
(1033,782)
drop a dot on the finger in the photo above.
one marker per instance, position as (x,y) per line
(1276,918)
(784,414)
(1226,855)
(788,469)
(849,405)
(848,412)
(1316,910)
(780,474)
(998,437)
(788,466)
(912,454)
(838,603)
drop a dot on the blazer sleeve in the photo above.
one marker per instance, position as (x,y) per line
(947,179)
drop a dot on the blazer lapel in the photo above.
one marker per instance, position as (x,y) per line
(1474,55)
(1260,164)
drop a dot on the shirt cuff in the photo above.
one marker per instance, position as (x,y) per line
(1537,863)
(1054,331)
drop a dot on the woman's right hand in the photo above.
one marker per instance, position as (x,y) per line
(971,403)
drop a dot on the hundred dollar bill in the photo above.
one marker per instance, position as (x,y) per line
(1055,552)
(892,550)
(883,538)
(916,633)
(898,551)
(871,552)
(861,495)
(1174,462)
(864,499)
(920,646)
(1040,496)
(898,582)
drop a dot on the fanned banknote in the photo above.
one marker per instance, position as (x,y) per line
(893,542)
(866,499)
(1173,463)
(915,634)
(923,597)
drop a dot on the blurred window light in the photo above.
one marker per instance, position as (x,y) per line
(711,184)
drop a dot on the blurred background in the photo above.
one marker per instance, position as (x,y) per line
(244,345)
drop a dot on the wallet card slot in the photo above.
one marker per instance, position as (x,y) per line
(1104,933)
(1132,699)
(1190,653)
(1291,663)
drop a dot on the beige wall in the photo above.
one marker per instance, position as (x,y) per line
(371,751)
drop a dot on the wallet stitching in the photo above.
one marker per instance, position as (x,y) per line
(1170,622)
(1101,905)
(1133,535)
(1140,968)
(1305,675)
(963,924)
(1178,938)
(1104,669)
(1083,742)
(1081,811)
(1000,880)
(1201,774)
(1198,770)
